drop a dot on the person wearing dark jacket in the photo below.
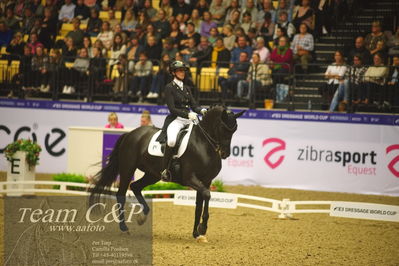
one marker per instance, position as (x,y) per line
(220,55)
(153,49)
(181,105)
(81,10)
(202,58)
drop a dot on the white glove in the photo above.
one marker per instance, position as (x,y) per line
(203,111)
(192,116)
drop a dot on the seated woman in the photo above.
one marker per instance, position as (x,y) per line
(113,121)
(78,73)
(160,78)
(334,75)
(302,46)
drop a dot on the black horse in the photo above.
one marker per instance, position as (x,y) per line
(208,144)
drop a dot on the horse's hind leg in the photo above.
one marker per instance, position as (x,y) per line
(137,187)
(121,199)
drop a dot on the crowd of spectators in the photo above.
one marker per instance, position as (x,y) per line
(129,37)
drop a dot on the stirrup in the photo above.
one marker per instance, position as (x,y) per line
(166,176)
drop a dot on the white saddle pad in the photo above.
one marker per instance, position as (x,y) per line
(154,148)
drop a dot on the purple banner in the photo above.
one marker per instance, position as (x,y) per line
(109,140)
(373,119)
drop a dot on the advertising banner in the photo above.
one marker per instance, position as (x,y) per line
(356,153)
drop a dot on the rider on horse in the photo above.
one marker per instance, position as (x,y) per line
(181,104)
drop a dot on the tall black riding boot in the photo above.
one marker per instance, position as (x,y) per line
(165,174)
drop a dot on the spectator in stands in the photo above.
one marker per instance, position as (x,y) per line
(229,38)
(234,5)
(24,77)
(141,76)
(284,23)
(81,11)
(97,67)
(37,8)
(202,57)
(11,21)
(202,6)
(242,46)
(375,78)
(67,12)
(28,20)
(251,8)
(393,43)
(48,28)
(207,24)
(196,20)
(374,37)
(145,119)
(133,49)
(160,78)
(218,11)
(52,4)
(78,73)
(261,49)
(94,23)
(175,33)
(162,24)
(220,55)
(16,46)
(106,35)
(124,74)
(303,14)
(112,19)
(153,49)
(334,75)
(88,45)
(129,23)
(180,7)
(247,22)
(182,24)
(188,52)
(267,7)
(33,42)
(360,49)
(151,31)
(99,44)
(278,33)
(213,35)
(353,80)
(168,47)
(5,34)
(40,64)
(117,49)
(266,29)
(55,65)
(19,8)
(69,50)
(282,59)
(191,33)
(258,76)
(237,72)
(234,20)
(127,5)
(392,89)
(76,34)
(283,7)
(118,29)
(324,13)
(302,46)
(166,6)
(151,12)
(113,121)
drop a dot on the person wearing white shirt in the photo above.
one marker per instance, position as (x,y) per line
(67,11)
(335,75)
(263,52)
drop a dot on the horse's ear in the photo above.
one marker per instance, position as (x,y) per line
(224,115)
(237,115)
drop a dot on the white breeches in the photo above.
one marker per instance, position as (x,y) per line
(174,128)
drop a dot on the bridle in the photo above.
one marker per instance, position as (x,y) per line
(214,143)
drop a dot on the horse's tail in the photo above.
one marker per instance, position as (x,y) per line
(107,175)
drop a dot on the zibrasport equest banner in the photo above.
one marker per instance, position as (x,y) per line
(355,153)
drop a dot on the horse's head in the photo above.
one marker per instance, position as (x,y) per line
(221,125)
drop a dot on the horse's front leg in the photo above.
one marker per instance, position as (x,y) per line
(199,202)
(203,226)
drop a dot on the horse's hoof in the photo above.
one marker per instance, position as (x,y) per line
(141,218)
(202,239)
(123,228)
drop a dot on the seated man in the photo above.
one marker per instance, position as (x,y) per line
(258,76)
(236,73)
(142,76)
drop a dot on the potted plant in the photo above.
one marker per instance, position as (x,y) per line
(23,156)
(31,149)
